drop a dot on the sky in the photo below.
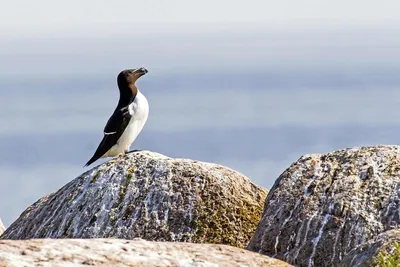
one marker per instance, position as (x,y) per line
(76,17)
(40,38)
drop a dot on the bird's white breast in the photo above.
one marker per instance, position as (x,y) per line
(139,110)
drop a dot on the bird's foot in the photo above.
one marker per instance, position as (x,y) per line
(119,156)
(133,151)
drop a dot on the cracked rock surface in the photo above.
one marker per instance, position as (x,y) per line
(150,196)
(119,252)
(323,208)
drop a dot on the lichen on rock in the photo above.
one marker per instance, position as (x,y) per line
(323,207)
(150,196)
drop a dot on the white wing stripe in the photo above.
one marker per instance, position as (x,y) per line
(109,133)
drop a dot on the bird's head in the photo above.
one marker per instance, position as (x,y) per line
(130,76)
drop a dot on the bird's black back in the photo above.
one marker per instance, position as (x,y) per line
(113,130)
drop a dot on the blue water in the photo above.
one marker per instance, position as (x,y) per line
(256,125)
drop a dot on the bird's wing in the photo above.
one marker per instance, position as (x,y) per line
(112,132)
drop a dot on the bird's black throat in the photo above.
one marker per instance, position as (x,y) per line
(127,94)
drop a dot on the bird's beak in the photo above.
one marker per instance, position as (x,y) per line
(141,71)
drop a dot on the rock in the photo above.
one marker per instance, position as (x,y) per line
(365,254)
(2,228)
(150,196)
(323,206)
(118,252)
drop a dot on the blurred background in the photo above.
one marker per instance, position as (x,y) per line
(252,85)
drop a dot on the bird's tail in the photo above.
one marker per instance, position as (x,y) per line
(103,147)
(93,159)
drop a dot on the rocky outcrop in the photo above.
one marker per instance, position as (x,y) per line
(324,208)
(2,228)
(118,252)
(150,196)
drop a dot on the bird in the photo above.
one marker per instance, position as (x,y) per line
(128,118)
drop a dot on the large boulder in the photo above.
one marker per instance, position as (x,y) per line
(324,206)
(118,252)
(150,196)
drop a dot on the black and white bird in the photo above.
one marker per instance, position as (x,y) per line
(128,118)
